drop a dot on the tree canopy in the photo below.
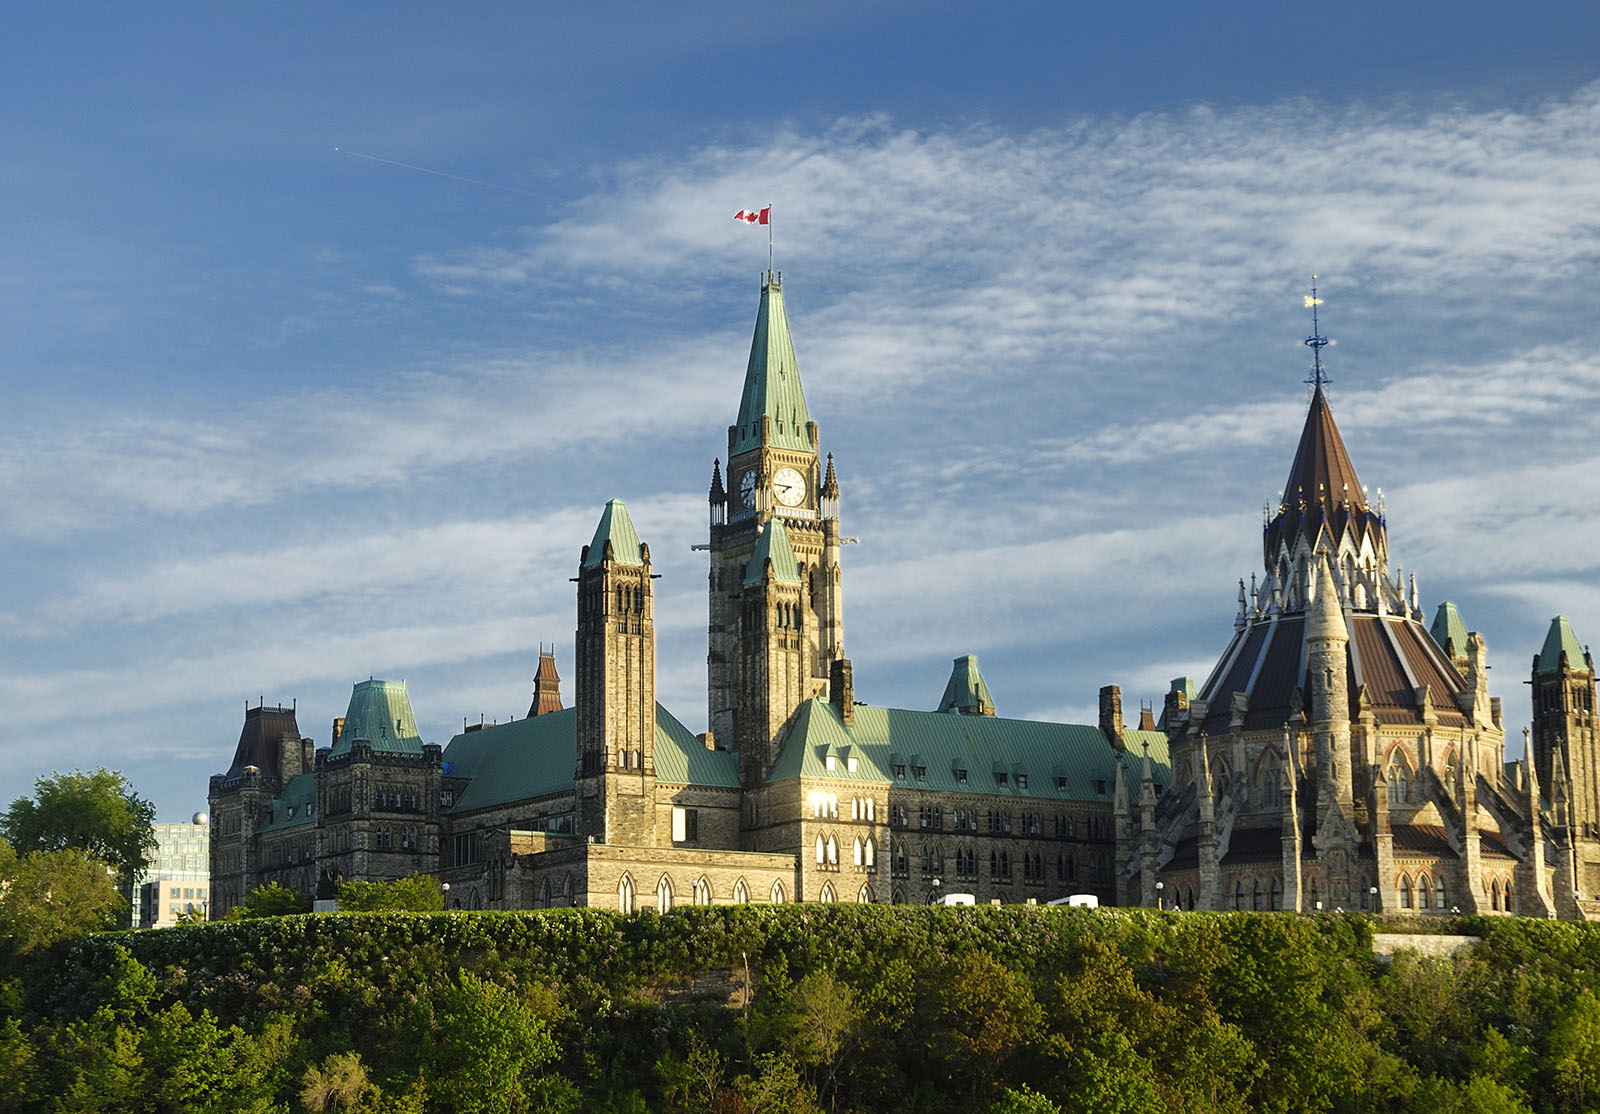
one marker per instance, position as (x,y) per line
(47,896)
(96,813)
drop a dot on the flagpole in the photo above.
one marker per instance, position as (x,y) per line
(769,240)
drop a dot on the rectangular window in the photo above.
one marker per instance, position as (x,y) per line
(1061,783)
(961,777)
(900,769)
(685,825)
(922,773)
(1022,781)
(999,778)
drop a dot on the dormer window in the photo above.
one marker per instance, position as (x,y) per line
(830,762)
(853,764)
(922,773)
(900,769)
(1061,783)
(961,776)
(999,778)
(1022,781)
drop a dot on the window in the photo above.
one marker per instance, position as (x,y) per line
(921,772)
(966,820)
(1399,779)
(852,764)
(1405,892)
(1100,785)
(1438,893)
(1022,781)
(900,769)
(961,776)
(857,852)
(897,816)
(663,894)
(1238,895)
(865,896)
(999,778)
(898,862)
(826,896)
(778,897)
(685,825)
(625,895)
(870,853)
(833,851)
(822,850)
(702,892)
(831,762)
(1061,783)
(741,893)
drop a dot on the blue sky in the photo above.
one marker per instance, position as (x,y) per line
(285,416)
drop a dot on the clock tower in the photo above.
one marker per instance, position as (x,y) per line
(774,472)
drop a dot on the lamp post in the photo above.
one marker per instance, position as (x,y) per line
(1159,887)
(933,894)
(1372,892)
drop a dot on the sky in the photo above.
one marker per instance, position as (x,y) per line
(326,331)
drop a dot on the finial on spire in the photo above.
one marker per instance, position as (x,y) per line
(1316,341)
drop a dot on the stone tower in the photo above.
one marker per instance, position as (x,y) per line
(774,475)
(616,685)
(1566,754)
(775,650)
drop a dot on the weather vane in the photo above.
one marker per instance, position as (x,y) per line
(1316,341)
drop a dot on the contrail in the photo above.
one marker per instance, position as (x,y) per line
(438,173)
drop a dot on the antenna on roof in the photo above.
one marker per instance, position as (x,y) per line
(1316,341)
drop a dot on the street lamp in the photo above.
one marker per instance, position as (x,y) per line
(933,894)
(1159,887)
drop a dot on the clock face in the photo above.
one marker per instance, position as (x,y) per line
(789,486)
(747,489)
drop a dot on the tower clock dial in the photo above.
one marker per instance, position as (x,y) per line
(747,489)
(789,486)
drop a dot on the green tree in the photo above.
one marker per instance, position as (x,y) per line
(46,896)
(270,900)
(415,893)
(1573,1060)
(338,1083)
(488,1052)
(97,813)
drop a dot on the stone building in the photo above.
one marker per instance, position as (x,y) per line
(795,792)
(1342,755)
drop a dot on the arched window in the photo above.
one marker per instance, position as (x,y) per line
(544,894)
(568,891)
(625,895)
(869,851)
(822,850)
(1312,897)
(833,850)
(856,852)
(1277,895)
(1494,895)
(1405,892)
(663,894)
(1399,778)
(865,896)
(778,896)
(826,897)
(1255,896)
(741,893)
(1439,901)
(1272,781)
(1238,895)
(1510,903)
(1450,763)
(702,891)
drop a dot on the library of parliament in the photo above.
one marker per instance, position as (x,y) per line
(1345,753)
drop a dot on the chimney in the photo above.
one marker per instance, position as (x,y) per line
(1111,714)
(1147,716)
(841,690)
(338,729)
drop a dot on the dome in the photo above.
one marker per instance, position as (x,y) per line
(200,818)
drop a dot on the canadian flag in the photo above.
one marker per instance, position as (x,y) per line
(755,216)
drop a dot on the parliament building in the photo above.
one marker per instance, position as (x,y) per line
(1341,755)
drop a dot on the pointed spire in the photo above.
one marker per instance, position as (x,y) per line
(1561,639)
(830,483)
(1321,462)
(773,545)
(773,406)
(615,528)
(1449,631)
(1324,618)
(718,493)
(966,693)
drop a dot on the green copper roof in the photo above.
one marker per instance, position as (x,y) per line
(963,754)
(616,527)
(380,712)
(966,689)
(1558,640)
(772,382)
(294,806)
(1449,631)
(534,757)
(773,543)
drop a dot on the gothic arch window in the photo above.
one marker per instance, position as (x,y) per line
(1238,895)
(822,850)
(898,896)
(833,851)
(1451,761)
(1423,890)
(1399,775)
(663,894)
(627,900)
(1276,904)
(1255,896)
(1439,899)
(1312,897)
(860,858)
(1405,892)
(778,897)
(826,896)
(568,891)
(865,896)
(1512,905)
(702,891)
(1270,780)
(544,894)
(869,852)
(1494,895)
(741,893)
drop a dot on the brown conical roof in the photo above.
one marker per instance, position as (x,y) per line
(1322,468)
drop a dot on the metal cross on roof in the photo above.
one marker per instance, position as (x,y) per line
(1316,341)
